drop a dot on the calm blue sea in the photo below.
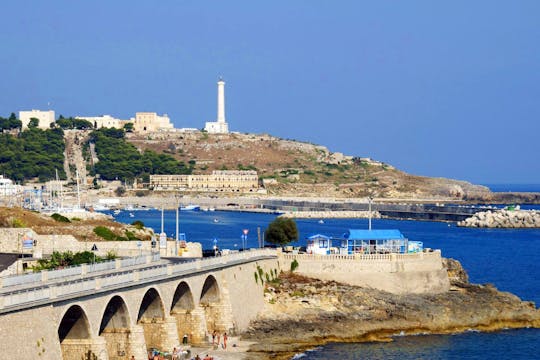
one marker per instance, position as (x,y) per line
(513,187)
(506,258)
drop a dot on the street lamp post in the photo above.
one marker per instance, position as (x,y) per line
(370,198)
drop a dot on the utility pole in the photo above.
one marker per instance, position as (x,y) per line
(370,198)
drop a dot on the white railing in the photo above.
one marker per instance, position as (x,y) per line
(57,274)
(21,279)
(82,270)
(62,287)
(361,257)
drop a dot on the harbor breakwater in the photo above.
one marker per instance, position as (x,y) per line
(331,214)
(503,219)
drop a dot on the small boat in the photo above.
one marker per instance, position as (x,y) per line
(216,220)
(190,208)
(321,221)
(117,211)
(131,215)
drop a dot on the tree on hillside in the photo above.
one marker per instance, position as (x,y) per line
(281,231)
(128,127)
(33,123)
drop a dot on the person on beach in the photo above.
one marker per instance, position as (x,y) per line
(174,354)
(218,339)
(214,338)
(225,341)
(197,357)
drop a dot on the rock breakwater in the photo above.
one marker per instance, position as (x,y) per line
(503,219)
(331,214)
(301,313)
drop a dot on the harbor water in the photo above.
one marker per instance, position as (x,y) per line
(506,258)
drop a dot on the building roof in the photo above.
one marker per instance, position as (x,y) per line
(355,234)
(318,236)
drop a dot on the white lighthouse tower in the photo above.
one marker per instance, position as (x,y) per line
(220,126)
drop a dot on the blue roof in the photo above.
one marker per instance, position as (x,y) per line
(318,236)
(355,234)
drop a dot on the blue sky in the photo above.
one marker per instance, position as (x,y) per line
(449,89)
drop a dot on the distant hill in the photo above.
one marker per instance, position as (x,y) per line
(293,168)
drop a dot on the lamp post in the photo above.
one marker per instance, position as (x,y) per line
(370,198)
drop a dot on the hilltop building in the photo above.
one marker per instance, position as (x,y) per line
(46,118)
(105,121)
(219,126)
(150,122)
(219,180)
(143,122)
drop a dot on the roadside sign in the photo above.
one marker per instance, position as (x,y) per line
(94,247)
(28,244)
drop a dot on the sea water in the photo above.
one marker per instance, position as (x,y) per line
(503,257)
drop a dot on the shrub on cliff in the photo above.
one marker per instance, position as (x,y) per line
(281,231)
(60,218)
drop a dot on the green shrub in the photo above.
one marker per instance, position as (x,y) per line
(294,265)
(105,233)
(131,236)
(138,224)
(60,218)
(18,223)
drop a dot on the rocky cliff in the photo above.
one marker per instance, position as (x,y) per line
(301,313)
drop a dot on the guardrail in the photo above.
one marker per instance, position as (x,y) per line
(79,270)
(92,282)
(362,257)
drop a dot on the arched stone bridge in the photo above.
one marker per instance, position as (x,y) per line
(116,313)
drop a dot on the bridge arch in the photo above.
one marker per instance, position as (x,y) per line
(151,316)
(210,302)
(115,328)
(74,334)
(183,310)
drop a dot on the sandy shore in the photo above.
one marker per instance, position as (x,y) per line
(236,350)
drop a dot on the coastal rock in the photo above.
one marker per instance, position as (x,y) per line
(336,312)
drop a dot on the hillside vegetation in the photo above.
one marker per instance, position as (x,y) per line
(296,168)
(121,160)
(34,153)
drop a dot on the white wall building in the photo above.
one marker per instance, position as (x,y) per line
(45,118)
(105,121)
(219,126)
(7,188)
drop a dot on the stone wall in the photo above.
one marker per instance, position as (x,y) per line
(395,273)
(10,242)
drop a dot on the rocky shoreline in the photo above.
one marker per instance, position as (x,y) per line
(303,313)
(503,219)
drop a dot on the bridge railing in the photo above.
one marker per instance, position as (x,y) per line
(43,291)
(79,270)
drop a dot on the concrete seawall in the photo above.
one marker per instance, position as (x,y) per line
(394,273)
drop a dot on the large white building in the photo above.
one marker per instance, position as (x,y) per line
(45,118)
(219,126)
(143,122)
(105,121)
